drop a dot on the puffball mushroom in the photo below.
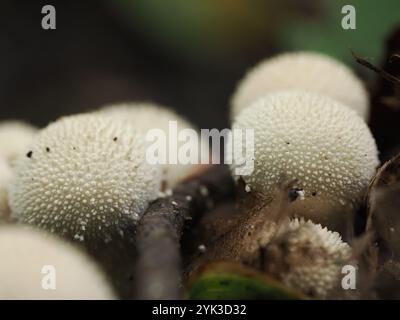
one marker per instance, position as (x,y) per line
(84,177)
(36,266)
(5,177)
(308,257)
(146,116)
(14,138)
(303,136)
(309,71)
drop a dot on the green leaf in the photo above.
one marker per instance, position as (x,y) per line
(233,281)
(375,20)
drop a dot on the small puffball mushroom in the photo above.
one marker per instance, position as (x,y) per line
(14,138)
(310,138)
(146,116)
(37,266)
(5,178)
(309,71)
(84,177)
(308,257)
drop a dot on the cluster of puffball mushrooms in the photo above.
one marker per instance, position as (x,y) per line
(83,181)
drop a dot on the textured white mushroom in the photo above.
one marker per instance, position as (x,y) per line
(304,71)
(14,137)
(308,257)
(36,266)
(84,177)
(146,116)
(304,136)
(5,178)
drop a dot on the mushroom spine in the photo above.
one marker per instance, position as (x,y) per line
(14,138)
(309,71)
(39,266)
(77,180)
(146,116)
(308,257)
(5,178)
(303,136)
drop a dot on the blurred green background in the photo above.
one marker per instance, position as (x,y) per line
(188,54)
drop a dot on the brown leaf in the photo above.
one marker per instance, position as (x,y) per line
(383,205)
(387,283)
(252,228)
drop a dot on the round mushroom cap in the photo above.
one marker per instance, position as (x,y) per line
(309,71)
(146,116)
(84,177)
(308,257)
(306,137)
(5,178)
(36,266)
(14,138)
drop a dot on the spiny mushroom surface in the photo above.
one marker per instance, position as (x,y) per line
(36,266)
(84,177)
(304,71)
(313,139)
(5,178)
(14,138)
(308,257)
(146,116)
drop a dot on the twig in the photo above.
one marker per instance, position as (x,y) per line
(394,56)
(158,269)
(384,74)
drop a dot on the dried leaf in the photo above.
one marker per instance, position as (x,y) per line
(253,227)
(383,205)
(388,281)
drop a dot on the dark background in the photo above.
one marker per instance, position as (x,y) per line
(188,54)
(91,59)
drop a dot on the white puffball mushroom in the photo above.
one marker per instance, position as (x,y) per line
(309,71)
(303,136)
(146,116)
(37,266)
(14,137)
(5,178)
(308,257)
(84,177)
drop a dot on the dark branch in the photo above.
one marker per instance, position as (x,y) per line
(158,269)
(384,74)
